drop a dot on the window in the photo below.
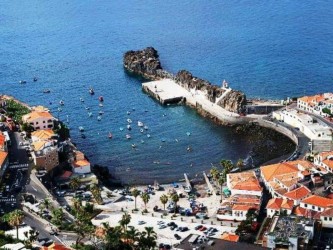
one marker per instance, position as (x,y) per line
(313,207)
(305,205)
(330,218)
(43,121)
(36,123)
(325,218)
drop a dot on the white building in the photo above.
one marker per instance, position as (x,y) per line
(244,183)
(277,206)
(39,120)
(316,203)
(81,167)
(326,218)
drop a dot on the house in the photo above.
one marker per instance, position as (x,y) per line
(237,206)
(81,166)
(286,232)
(315,104)
(279,206)
(298,194)
(244,183)
(3,142)
(45,155)
(316,203)
(4,162)
(39,120)
(326,218)
(325,160)
(42,135)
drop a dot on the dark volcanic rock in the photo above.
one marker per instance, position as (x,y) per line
(233,101)
(144,62)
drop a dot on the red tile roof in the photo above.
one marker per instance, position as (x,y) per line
(298,193)
(230,237)
(3,157)
(278,203)
(318,201)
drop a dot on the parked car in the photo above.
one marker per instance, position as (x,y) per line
(198,227)
(141,222)
(177,236)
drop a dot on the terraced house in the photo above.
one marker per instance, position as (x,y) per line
(39,120)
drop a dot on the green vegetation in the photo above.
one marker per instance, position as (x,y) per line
(135,192)
(61,129)
(74,183)
(16,110)
(327,111)
(57,216)
(145,198)
(5,239)
(164,200)
(96,192)
(14,219)
(175,198)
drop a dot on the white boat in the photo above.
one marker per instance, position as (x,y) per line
(46,91)
(142,141)
(129,120)
(91,91)
(128,136)
(22,82)
(141,130)
(62,103)
(110,135)
(101,104)
(133,145)
(128,112)
(81,129)
(148,135)
(140,124)
(145,127)
(188,133)
(121,128)
(87,108)
(101,112)
(59,109)
(90,114)
(129,127)
(81,99)
(99,118)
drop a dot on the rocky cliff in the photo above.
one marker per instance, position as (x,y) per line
(146,63)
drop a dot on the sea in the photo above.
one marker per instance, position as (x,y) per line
(268,49)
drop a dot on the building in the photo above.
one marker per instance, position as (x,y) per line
(39,120)
(325,160)
(237,206)
(244,183)
(298,194)
(319,133)
(326,218)
(276,206)
(43,135)
(316,203)
(3,142)
(315,104)
(230,237)
(45,154)
(286,232)
(4,162)
(80,164)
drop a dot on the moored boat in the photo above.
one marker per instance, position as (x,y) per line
(101,99)
(141,130)
(90,114)
(81,99)
(129,120)
(188,133)
(128,136)
(148,135)
(110,135)
(99,118)
(22,82)
(129,127)
(140,124)
(101,112)
(133,145)
(35,79)
(81,129)
(62,103)
(121,128)
(91,91)
(146,127)
(128,112)
(46,91)
(101,105)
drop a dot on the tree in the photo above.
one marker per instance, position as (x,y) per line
(96,192)
(226,165)
(14,219)
(175,198)
(125,220)
(32,236)
(27,128)
(148,239)
(57,216)
(132,236)
(75,183)
(46,203)
(82,225)
(113,237)
(145,198)
(135,192)
(164,200)
(215,173)
(240,164)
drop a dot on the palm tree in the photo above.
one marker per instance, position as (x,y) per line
(113,237)
(132,236)
(240,163)
(221,181)
(31,237)
(14,219)
(57,216)
(227,165)
(148,239)
(175,198)
(96,192)
(135,192)
(75,183)
(215,173)
(164,200)
(125,220)
(145,198)
(46,203)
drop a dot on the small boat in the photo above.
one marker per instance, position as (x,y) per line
(62,103)
(140,124)
(145,127)
(148,135)
(163,140)
(188,133)
(101,99)
(128,136)
(142,141)
(91,91)
(83,136)
(129,120)
(22,82)
(189,149)
(128,112)
(101,112)
(133,145)
(87,108)
(35,79)
(90,114)
(141,130)
(81,99)
(133,109)
(121,128)
(99,118)
(59,109)
(81,129)
(129,127)
(110,135)
(46,91)
(101,105)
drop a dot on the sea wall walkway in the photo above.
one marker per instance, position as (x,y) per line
(167,91)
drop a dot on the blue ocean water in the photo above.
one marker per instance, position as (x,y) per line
(268,49)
